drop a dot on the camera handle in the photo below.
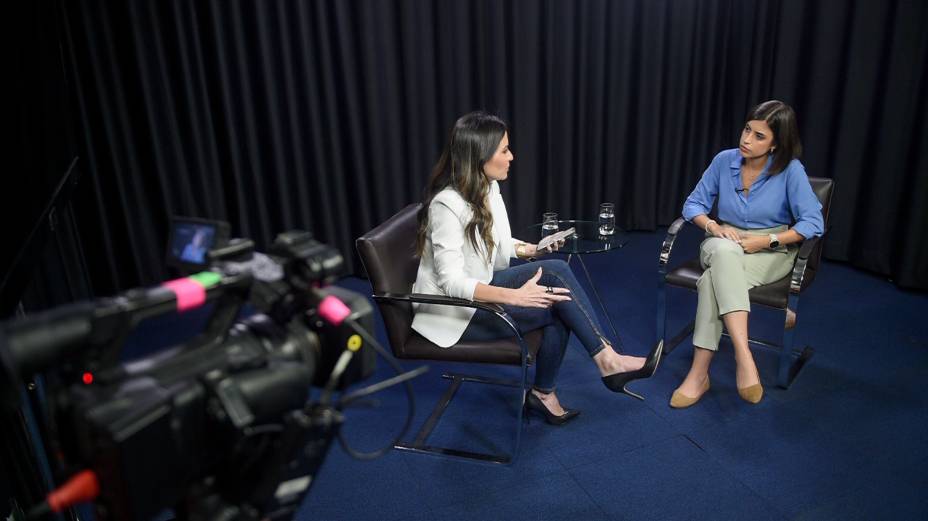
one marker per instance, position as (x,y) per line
(89,335)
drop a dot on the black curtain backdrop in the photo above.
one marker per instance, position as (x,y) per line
(327,115)
(40,243)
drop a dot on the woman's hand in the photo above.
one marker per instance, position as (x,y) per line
(554,246)
(531,295)
(724,232)
(754,243)
(529,250)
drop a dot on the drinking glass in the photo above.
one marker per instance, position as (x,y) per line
(549,223)
(606,219)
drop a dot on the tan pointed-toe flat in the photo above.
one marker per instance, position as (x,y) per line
(752,393)
(681,401)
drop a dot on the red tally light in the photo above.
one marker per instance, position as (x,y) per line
(87,378)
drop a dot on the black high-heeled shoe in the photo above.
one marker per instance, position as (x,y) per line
(533,403)
(617,382)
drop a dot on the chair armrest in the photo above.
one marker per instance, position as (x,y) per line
(807,246)
(802,260)
(424,298)
(667,246)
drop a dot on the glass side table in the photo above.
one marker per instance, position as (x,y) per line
(585,241)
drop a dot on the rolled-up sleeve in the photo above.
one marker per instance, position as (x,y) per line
(803,203)
(702,198)
(447,234)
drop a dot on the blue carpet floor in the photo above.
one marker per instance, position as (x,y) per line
(849,439)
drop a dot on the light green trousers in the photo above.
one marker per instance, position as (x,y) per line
(729,274)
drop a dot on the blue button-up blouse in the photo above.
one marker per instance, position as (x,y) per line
(785,198)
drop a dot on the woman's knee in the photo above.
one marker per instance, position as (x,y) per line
(734,251)
(723,252)
(718,245)
(553,265)
(555,272)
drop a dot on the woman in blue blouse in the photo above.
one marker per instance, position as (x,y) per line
(765,204)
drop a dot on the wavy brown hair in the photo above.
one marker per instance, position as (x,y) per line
(472,142)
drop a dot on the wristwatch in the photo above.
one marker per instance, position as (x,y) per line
(774,242)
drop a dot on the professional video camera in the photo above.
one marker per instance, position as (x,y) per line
(221,427)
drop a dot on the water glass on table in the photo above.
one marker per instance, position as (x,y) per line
(606,219)
(549,223)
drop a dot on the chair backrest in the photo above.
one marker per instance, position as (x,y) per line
(823,188)
(388,253)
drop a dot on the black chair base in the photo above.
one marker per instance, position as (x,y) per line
(672,344)
(455,454)
(801,357)
(420,446)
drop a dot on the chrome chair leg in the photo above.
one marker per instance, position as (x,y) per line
(672,344)
(420,446)
(791,362)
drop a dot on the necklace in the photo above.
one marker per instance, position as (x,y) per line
(748,176)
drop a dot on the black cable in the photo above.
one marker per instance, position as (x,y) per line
(401,377)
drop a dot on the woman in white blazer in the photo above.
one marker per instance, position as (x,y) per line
(465,244)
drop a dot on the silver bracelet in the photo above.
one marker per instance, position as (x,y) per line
(710,221)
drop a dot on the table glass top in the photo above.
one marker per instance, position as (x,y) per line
(587,238)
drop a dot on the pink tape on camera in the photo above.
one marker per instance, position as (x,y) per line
(188,292)
(333,310)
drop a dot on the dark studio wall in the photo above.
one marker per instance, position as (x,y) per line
(40,261)
(327,115)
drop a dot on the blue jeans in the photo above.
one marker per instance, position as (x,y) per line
(573,316)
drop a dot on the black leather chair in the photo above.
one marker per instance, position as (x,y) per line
(779,295)
(388,253)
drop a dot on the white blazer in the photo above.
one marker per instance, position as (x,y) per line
(451,266)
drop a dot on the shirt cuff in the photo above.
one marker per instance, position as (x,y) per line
(690,212)
(463,288)
(807,230)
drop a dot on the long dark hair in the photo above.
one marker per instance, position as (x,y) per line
(782,121)
(472,142)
